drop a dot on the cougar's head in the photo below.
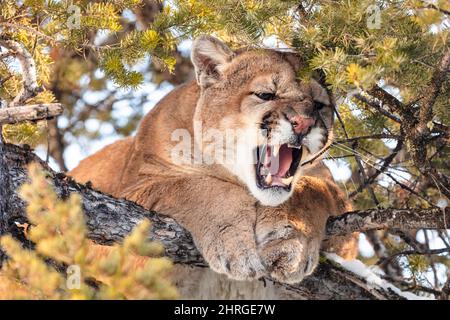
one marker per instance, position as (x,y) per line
(261,120)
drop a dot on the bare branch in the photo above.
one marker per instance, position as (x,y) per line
(30,113)
(390,101)
(384,166)
(415,120)
(434,7)
(411,252)
(372,136)
(412,286)
(410,190)
(4,192)
(388,259)
(377,106)
(390,218)
(30,86)
(432,92)
(5,55)
(445,293)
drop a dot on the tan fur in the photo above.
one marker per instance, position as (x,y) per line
(237,235)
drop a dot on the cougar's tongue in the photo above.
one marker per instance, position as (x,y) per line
(278,165)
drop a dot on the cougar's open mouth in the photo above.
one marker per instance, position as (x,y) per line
(276,165)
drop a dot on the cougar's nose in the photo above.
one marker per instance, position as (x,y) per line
(301,125)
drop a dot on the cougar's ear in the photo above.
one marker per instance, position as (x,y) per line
(209,56)
(318,93)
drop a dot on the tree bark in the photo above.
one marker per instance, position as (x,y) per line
(31,112)
(4,188)
(56,144)
(390,218)
(109,220)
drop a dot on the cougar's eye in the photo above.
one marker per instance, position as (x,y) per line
(265,95)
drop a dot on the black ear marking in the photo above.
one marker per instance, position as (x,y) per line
(319,105)
(294,59)
(319,93)
(209,67)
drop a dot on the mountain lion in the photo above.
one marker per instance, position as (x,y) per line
(232,156)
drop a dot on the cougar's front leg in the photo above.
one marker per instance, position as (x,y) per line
(220,216)
(289,237)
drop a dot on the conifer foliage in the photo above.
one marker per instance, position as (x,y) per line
(59,234)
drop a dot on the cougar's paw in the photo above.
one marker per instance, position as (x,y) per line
(236,258)
(290,260)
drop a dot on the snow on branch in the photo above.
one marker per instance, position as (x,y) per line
(371,278)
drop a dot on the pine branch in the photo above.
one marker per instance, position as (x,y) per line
(28,29)
(51,40)
(30,113)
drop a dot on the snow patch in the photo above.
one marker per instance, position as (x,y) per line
(363,271)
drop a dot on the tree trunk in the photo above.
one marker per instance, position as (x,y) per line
(56,144)
(4,187)
(110,219)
